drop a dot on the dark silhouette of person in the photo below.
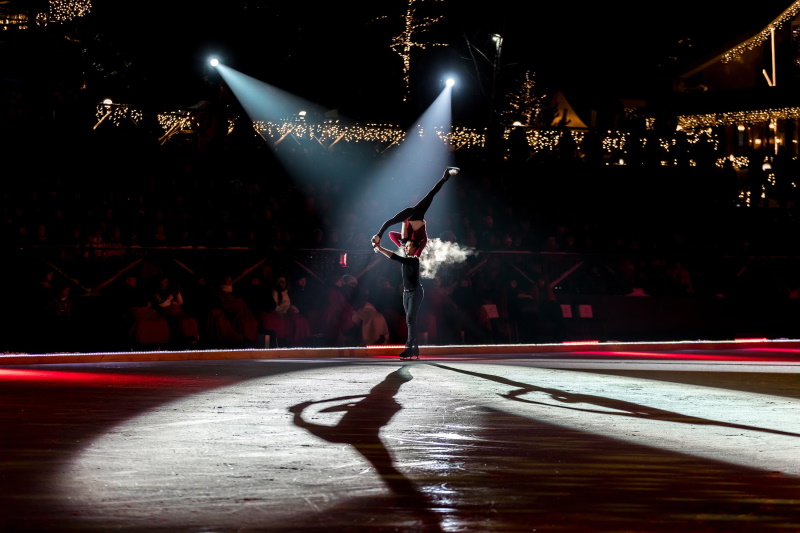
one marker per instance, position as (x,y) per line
(360,426)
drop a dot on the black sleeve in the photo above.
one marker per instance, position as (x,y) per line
(402,259)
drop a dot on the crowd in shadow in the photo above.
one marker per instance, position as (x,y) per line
(82,218)
(109,271)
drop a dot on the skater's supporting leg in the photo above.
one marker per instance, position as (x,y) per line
(412,300)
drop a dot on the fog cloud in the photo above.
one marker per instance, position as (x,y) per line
(439,253)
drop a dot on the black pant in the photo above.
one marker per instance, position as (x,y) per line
(412,300)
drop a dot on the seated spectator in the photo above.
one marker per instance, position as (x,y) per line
(231,323)
(145,327)
(167,299)
(444,318)
(307,295)
(523,309)
(467,305)
(290,325)
(338,327)
(60,320)
(374,328)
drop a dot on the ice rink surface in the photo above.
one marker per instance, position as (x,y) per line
(584,440)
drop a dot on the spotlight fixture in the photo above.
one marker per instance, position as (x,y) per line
(450,82)
(213,62)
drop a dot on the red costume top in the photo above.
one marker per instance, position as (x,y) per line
(420,235)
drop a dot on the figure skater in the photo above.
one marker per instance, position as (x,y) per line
(412,291)
(413,219)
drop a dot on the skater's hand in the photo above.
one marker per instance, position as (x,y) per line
(376,241)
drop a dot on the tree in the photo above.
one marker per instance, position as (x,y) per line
(528,104)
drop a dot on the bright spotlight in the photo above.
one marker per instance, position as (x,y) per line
(214,62)
(450,82)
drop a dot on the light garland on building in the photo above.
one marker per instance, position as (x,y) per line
(59,11)
(116,114)
(541,140)
(66,10)
(173,123)
(738,162)
(614,141)
(745,198)
(332,131)
(755,41)
(17,21)
(175,119)
(690,122)
(545,140)
(466,138)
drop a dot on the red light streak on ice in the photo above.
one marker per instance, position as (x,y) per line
(683,356)
(780,350)
(67,377)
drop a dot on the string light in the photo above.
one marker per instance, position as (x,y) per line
(734,118)
(175,119)
(745,198)
(614,141)
(738,162)
(403,44)
(736,52)
(526,103)
(66,10)
(14,20)
(59,11)
(466,138)
(332,131)
(116,114)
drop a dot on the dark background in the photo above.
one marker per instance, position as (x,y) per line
(338,53)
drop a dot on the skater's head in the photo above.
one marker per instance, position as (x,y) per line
(412,248)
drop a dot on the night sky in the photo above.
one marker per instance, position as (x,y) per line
(338,53)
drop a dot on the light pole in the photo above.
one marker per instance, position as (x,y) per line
(498,50)
(493,133)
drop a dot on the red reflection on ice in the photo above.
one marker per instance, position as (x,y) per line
(686,356)
(106,379)
(780,350)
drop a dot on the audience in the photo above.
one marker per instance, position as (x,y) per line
(172,199)
(231,322)
(167,299)
(289,326)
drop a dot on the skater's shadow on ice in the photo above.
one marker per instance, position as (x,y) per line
(362,419)
(607,406)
